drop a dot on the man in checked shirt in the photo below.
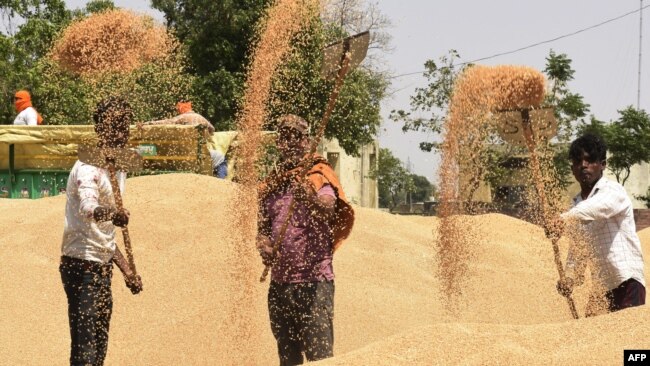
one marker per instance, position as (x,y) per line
(604,213)
(88,250)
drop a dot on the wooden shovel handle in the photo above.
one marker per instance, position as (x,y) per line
(278,241)
(119,203)
(345,67)
(536,168)
(560,270)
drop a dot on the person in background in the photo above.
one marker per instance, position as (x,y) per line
(88,248)
(186,116)
(219,164)
(316,216)
(27,115)
(603,212)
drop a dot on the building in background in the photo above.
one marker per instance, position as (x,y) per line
(354,171)
(511,189)
(637,184)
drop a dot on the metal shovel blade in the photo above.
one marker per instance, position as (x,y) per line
(333,54)
(510,125)
(127,160)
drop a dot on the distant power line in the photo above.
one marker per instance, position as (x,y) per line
(534,44)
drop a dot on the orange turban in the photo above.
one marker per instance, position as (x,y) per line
(24,101)
(184,107)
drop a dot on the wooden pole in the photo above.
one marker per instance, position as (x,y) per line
(539,186)
(345,66)
(120,205)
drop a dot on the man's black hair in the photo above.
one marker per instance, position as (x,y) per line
(591,144)
(114,110)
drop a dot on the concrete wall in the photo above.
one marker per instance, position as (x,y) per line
(637,184)
(354,172)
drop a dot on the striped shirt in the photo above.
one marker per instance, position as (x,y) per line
(607,218)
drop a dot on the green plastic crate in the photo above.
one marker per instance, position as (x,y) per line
(44,184)
(5,184)
(61,182)
(24,186)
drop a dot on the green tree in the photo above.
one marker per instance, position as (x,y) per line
(64,98)
(570,108)
(422,189)
(392,178)
(432,100)
(629,142)
(429,105)
(627,138)
(20,52)
(299,89)
(218,36)
(98,6)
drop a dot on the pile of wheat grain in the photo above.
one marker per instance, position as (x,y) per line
(387,307)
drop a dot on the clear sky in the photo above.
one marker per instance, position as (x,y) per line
(605,58)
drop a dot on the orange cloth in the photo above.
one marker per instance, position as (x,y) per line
(184,107)
(319,174)
(24,101)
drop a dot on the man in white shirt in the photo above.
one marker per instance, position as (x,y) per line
(88,250)
(27,115)
(604,213)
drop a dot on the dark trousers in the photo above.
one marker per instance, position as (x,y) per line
(630,293)
(302,320)
(90,303)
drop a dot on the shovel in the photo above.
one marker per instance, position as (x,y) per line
(530,144)
(338,59)
(113,159)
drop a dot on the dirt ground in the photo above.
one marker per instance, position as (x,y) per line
(387,307)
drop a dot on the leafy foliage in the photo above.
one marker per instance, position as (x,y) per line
(391,178)
(300,89)
(429,105)
(98,6)
(217,35)
(431,100)
(20,52)
(422,189)
(627,138)
(570,108)
(645,198)
(64,98)
(395,182)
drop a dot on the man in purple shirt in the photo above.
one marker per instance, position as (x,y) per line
(301,294)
